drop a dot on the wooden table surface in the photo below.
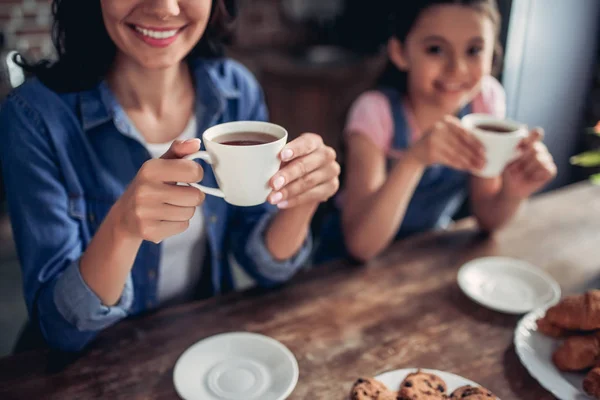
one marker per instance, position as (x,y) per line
(342,322)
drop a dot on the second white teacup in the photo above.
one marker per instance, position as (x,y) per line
(500,137)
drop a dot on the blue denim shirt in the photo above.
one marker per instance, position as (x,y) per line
(67,158)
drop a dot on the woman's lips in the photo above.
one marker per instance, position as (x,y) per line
(156,37)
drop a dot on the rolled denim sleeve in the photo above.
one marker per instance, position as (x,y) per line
(268,267)
(82,308)
(47,234)
(69,313)
(250,249)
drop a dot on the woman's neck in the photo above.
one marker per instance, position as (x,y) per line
(151,91)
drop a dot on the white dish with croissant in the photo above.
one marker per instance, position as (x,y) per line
(560,346)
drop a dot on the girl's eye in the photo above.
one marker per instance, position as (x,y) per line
(434,49)
(475,50)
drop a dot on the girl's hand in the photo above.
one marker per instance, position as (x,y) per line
(448,143)
(532,170)
(153,208)
(309,175)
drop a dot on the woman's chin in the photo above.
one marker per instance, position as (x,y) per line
(158,63)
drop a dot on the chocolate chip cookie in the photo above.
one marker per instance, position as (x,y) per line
(422,386)
(472,393)
(371,389)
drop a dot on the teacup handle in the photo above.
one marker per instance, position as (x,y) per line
(203,155)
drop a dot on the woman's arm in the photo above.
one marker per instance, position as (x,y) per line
(150,209)
(47,234)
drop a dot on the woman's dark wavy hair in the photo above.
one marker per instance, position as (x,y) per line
(86,52)
(403,16)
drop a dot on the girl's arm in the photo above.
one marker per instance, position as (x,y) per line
(495,201)
(491,206)
(375,202)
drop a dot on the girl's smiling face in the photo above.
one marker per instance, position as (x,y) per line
(446,54)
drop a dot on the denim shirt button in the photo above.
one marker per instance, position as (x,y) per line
(149,304)
(213,219)
(151,274)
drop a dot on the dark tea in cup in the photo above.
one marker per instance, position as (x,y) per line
(245,139)
(488,127)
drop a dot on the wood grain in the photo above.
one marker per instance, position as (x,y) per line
(342,322)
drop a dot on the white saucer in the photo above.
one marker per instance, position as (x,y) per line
(393,379)
(236,366)
(507,285)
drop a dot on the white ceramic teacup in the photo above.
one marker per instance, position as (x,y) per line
(242,172)
(500,137)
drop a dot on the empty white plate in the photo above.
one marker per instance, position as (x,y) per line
(236,366)
(507,285)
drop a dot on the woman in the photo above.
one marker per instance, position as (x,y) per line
(90,149)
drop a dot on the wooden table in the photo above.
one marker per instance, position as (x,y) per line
(342,322)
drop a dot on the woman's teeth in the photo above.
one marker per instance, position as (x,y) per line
(156,34)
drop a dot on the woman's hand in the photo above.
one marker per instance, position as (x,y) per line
(153,207)
(309,174)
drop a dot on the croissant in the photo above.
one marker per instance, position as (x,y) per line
(580,312)
(578,353)
(551,330)
(591,383)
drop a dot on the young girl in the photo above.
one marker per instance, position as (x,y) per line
(409,163)
(91,147)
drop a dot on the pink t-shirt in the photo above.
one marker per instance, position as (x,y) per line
(371,114)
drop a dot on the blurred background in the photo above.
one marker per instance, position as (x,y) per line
(314,57)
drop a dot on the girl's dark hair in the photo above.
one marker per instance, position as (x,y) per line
(86,52)
(404,15)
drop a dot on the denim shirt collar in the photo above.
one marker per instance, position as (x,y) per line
(99,105)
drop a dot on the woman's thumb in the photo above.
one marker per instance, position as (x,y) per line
(180,149)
